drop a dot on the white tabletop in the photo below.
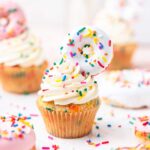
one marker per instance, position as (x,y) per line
(119,133)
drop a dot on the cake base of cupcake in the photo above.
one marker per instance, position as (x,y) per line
(69,121)
(22,80)
(123,55)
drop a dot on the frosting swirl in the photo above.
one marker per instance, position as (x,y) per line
(24,50)
(64,84)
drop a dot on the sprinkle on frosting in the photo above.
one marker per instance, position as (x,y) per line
(66,79)
(12,127)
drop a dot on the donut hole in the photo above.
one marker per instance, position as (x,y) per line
(87,50)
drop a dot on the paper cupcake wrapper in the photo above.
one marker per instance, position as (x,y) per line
(34,148)
(123,55)
(69,125)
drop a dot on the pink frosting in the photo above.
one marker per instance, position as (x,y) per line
(12,20)
(25,143)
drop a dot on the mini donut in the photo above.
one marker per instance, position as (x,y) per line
(142,128)
(90,48)
(12,20)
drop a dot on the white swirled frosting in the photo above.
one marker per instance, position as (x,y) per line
(24,50)
(130,88)
(65,84)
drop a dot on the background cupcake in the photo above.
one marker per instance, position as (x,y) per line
(116,19)
(21,58)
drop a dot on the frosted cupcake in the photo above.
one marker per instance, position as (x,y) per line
(142,128)
(126,88)
(22,62)
(12,21)
(115,19)
(68,99)
(16,133)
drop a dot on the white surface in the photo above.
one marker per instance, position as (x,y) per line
(124,136)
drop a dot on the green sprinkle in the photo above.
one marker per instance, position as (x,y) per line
(86,56)
(61,48)
(97,127)
(71,42)
(87,45)
(54,63)
(92,65)
(148,136)
(12,10)
(85,89)
(131,122)
(80,93)
(26,93)
(65,110)
(62,60)
(99,118)
(77,91)
(49,109)
(95,82)
(81,30)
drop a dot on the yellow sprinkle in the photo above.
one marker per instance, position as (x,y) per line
(80,97)
(104,59)
(96,40)
(90,87)
(89,34)
(25,123)
(76,75)
(64,56)
(58,80)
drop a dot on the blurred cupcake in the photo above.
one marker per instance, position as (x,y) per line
(22,63)
(12,21)
(16,133)
(116,20)
(142,128)
(68,101)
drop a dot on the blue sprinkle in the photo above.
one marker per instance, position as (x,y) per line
(19,114)
(86,60)
(148,123)
(15,125)
(28,118)
(47,70)
(101,46)
(64,78)
(109,125)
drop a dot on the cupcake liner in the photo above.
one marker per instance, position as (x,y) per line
(68,125)
(34,148)
(123,55)
(22,80)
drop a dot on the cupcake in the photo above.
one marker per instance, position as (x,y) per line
(126,88)
(69,99)
(12,22)
(142,128)
(22,63)
(116,20)
(16,133)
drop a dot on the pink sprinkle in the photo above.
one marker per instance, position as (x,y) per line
(145,123)
(100,64)
(44,90)
(71,54)
(105,142)
(109,43)
(97,144)
(70,44)
(83,82)
(50,137)
(47,148)
(77,63)
(80,38)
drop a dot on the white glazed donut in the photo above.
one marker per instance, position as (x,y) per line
(126,88)
(90,48)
